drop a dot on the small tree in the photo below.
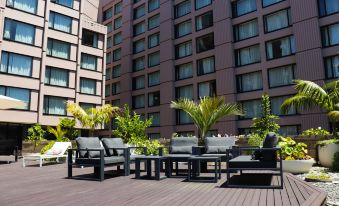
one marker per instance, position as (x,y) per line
(131,127)
(58,133)
(68,125)
(35,135)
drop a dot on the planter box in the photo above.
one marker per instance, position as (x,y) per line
(297,166)
(326,153)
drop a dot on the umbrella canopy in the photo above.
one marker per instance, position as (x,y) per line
(11,103)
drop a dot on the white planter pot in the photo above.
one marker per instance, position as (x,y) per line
(297,166)
(326,153)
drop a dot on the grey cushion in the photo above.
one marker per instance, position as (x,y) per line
(107,160)
(218,144)
(113,143)
(245,161)
(183,145)
(88,143)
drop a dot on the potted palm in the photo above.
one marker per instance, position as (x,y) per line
(295,158)
(310,95)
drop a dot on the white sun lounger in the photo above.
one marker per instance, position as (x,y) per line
(60,148)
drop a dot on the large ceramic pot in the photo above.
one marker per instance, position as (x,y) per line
(326,153)
(297,166)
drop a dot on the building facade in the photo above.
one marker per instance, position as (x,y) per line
(52,51)
(162,50)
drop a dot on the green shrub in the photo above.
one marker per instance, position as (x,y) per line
(335,164)
(151,145)
(47,147)
(68,125)
(329,141)
(255,140)
(318,176)
(35,135)
(291,150)
(316,132)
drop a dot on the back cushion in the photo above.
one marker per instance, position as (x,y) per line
(270,141)
(218,144)
(88,143)
(110,143)
(183,145)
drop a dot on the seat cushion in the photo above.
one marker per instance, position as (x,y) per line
(246,161)
(107,160)
(218,144)
(183,145)
(113,143)
(88,143)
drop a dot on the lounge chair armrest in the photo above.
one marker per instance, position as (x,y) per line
(87,149)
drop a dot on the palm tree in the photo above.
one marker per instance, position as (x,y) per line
(310,95)
(59,133)
(92,117)
(206,113)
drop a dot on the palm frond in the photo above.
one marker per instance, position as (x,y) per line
(299,101)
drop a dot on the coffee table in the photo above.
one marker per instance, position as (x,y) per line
(157,163)
(193,175)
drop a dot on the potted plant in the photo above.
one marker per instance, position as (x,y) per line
(295,158)
(310,95)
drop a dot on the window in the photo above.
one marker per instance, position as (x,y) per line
(153,5)
(155,119)
(154,59)
(139,12)
(139,28)
(138,46)
(89,38)
(116,88)
(54,105)
(205,43)
(118,8)
(204,21)
(205,66)
(58,48)
(248,55)
(19,32)
(153,22)
(139,64)
(330,35)
(153,40)
(184,71)
(207,89)
(88,62)
(56,77)
(138,82)
(107,90)
(117,23)
(153,136)
(109,27)
(202,3)
(86,106)
(277,20)
(88,86)
(107,14)
(116,103)
(327,7)
(183,29)
(117,38)
(23,5)
(281,76)
(60,22)
(184,92)
(246,30)
(108,58)
(182,9)
(117,54)
(17,93)
(249,82)
(276,103)
(183,118)
(153,99)
(251,109)
(67,3)
(332,66)
(138,101)
(290,130)
(108,74)
(266,3)
(183,49)
(136,1)
(154,78)
(116,71)
(241,7)
(16,64)
(280,47)
(109,42)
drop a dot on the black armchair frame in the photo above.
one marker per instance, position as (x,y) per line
(239,151)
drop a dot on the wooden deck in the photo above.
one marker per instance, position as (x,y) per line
(48,186)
